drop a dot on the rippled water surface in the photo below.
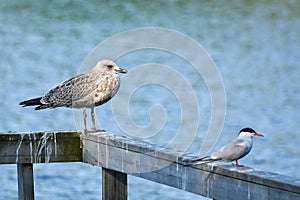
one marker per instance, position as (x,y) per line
(255,46)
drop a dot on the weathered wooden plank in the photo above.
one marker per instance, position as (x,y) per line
(37,147)
(123,155)
(114,185)
(25,181)
(168,167)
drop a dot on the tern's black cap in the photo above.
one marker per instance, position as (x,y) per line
(250,130)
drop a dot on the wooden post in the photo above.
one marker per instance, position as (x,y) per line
(25,181)
(114,185)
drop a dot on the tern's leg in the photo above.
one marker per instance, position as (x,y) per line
(84,120)
(237,164)
(93,119)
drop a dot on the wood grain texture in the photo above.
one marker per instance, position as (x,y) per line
(25,181)
(114,185)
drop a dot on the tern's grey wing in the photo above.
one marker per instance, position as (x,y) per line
(75,88)
(233,151)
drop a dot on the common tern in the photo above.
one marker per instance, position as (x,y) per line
(233,151)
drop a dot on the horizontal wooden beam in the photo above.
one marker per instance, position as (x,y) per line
(152,162)
(167,166)
(37,147)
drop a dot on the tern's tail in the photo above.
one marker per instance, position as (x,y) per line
(203,160)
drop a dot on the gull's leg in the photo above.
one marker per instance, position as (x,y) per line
(93,118)
(93,121)
(84,120)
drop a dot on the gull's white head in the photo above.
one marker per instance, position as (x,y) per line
(248,132)
(108,65)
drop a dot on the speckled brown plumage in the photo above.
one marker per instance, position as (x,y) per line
(86,90)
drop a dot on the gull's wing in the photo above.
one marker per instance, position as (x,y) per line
(75,88)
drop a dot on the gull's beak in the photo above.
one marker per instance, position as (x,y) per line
(258,134)
(124,71)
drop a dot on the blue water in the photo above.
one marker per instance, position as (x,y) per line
(255,46)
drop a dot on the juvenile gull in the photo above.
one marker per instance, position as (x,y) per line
(87,90)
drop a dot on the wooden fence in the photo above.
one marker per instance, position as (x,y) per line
(120,156)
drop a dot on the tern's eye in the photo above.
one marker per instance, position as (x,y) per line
(110,66)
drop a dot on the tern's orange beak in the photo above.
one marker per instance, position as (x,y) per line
(258,134)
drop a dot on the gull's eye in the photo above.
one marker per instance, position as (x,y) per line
(110,66)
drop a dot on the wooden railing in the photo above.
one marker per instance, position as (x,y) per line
(120,156)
